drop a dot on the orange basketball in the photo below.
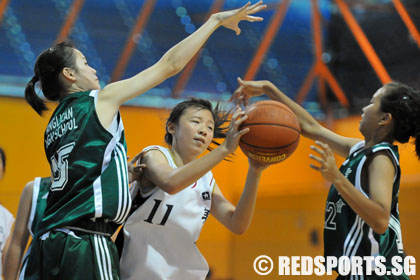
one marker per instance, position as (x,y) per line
(274,132)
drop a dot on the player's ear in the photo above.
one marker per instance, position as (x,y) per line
(385,119)
(68,74)
(170,128)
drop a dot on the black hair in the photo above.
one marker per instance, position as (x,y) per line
(219,116)
(48,67)
(403,103)
(3,158)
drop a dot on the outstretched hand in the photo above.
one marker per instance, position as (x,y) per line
(234,134)
(135,169)
(328,167)
(246,90)
(231,19)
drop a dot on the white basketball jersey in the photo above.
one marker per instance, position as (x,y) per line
(160,236)
(6,222)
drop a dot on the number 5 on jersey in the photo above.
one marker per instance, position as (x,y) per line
(59,167)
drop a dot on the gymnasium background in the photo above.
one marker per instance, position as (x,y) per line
(330,55)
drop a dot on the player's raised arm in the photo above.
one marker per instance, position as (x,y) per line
(172,62)
(238,218)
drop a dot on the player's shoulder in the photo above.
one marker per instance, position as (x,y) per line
(29,186)
(156,154)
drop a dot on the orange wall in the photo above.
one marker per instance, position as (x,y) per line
(291,196)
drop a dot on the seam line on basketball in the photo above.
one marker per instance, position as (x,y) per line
(269,148)
(272,124)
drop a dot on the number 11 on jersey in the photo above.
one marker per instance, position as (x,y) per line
(155,208)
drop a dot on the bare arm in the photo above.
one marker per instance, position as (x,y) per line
(172,62)
(6,248)
(375,209)
(20,235)
(237,219)
(309,126)
(173,180)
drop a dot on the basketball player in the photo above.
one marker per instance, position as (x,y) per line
(30,212)
(85,146)
(6,218)
(361,215)
(180,192)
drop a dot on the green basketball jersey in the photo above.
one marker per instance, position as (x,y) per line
(345,233)
(39,202)
(88,165)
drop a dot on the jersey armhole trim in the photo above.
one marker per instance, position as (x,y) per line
(159,149)
(357,147)
(113,128)
(388,151)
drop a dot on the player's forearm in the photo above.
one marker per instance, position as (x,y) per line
(12,262)
(180,54)
(242,216)
(370,211)
(182,177)
(308,124)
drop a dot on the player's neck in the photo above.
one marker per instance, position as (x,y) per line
(181,158)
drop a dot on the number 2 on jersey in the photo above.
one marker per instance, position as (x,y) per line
(155,208)
(329,221)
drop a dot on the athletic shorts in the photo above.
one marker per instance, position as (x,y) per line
(71,254)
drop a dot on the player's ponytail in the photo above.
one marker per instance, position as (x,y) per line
(48,67)
(37,103)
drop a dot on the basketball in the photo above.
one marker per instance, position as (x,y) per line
(274,132)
